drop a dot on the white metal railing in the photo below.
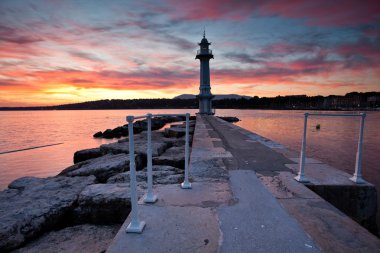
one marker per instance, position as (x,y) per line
(357,177)
(137,226)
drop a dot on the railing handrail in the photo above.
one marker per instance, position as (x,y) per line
(357,177)
(335,114)
(156,115)
(137,226)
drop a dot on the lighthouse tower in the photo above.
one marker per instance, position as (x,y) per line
(204,54)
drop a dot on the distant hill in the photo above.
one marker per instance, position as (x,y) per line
(217,97)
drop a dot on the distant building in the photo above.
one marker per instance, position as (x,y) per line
(204,54)
(337,102)
(373,101)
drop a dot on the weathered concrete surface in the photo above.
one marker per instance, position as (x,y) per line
(34,205)
(330,228)
(103,167)
(357,201)
(189,229)
(202,219)
(82,238)
(333,230)
(257,222)
(248,153)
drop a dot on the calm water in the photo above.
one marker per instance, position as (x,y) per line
(334,144)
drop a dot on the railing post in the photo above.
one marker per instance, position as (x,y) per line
(301,175)
(149,197)
(136,226)
(186,184)
(357,177)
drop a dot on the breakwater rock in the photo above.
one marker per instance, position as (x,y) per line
(95,190)
(32,206)
(102,167)
(139,126)
(229,119)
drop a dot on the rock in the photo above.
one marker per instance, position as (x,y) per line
(108,134)
(86,154)
(81,238)
(161,175)
(171,179)
(105,203)
(174,156)
(175,132)
(139,126)
(35,205)
(122,146)
(125,177)
(98,134)
(229,119)
(103,167)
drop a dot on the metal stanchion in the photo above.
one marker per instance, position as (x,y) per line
(150,197)
(357,177)
(186,184)
(301,176)
(136,226)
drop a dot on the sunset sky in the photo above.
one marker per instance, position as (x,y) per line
(56,52)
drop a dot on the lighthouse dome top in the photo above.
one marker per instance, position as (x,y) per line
(204,41)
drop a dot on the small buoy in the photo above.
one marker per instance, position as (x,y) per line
(318,127)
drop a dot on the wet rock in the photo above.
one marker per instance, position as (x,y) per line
(35,205)
(105,203)
(174,156)
(98,134)
(81,238)
(103,167)
(230,119)
(86,154)
(108,134)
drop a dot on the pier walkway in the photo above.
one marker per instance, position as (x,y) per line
(243,199)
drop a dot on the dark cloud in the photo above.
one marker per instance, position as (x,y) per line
(85,55)
(242,57)
(13,35)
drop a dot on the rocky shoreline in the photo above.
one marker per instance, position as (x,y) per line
(90,197)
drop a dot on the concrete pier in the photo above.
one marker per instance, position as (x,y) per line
(243,199)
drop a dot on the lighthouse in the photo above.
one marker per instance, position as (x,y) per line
(204,54)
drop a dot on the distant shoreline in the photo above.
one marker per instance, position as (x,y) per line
(161,108)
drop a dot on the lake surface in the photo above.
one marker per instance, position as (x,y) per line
(335,143)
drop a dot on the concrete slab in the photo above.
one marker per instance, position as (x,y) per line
(283,185)
(331,229)
(170,229)
(323,174)
(205,194)
(258,223)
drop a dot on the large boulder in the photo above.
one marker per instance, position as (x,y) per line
(174,156)
(32,206)
(159,145)
(86,154)
(175,132)
(105,203)
(84,238)
(161,175)
(103,167)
